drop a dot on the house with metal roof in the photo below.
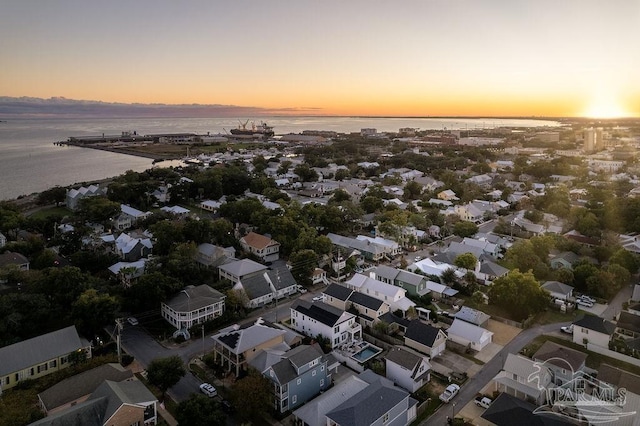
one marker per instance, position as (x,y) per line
(40,356)
(235,345)
(469,335)
(112,403)
(394,296)
(472,316)
(239,269)
(211,256)
(274,283)
(193,305)
(301,374)
(414,284)
(317,318)
(407,368)
(425,338)
(558,290)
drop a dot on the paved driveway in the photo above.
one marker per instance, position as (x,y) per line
(448,362)
(488,352)
(598,309)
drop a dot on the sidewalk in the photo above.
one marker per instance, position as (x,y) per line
(166,416)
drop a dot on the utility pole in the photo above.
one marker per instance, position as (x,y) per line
(119,329)
(202,341)
(278,280)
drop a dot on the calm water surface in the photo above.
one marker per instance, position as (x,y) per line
(29,162)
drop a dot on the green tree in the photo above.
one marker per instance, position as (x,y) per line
(56,195)
(466,261)
(200,410)
(97,209)
(519,294)
(92,311)
(303,264)
(342,174)
(306,173)
(251,396)
(165,372)
(626,259)
(465,229)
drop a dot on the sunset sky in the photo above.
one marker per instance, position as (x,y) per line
(346,57)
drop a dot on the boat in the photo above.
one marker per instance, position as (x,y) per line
(261,131)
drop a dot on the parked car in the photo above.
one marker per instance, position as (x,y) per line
(567,329)
(585,303)
(587,298)
(301,289)
(448,394)
(318,299)
(483,401)
(132,321)
(208,390)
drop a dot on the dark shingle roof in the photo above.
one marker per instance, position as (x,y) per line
(195,298)
(256,286)
(594,323)
(326,314)
(391,318)
(508,410)
(422,333)
(557,355)
(619,378)
(629,321)
(366,301)
(338,291)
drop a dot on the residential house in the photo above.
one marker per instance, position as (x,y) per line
(12,258)
(274,283)
(507,410)
(566,259)
(129,217)
(112,403)
(629,383)
(380,403)
(472,316)
(414,284)
(240,269)
(318,318)
(39,356)
(211,256)
(594,330)
(211,205)
(487,271)
(337,296)
(558,290)
(523,378)
(369,308)
(562,361)
(177,211)
(430,267)
(370,251)
(440,291)
(127,272)
(193,305)
(265,248)
(131,248)
(235,345)
(469,212)
(425,338)
(298,377)
(3,240)
(75,195)
(394,296)
(391,248)
(628,324)
(407,368)
(484,180)
(359,400)
(469,335)
(319,276)
(78,388)
(447,195)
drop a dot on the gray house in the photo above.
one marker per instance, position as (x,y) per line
(301,374)
(563,362)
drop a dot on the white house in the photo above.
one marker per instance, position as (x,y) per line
(407,368)
(176,211)
(210,205)
(193,305)
(318,318)
(271,284)
(558,290)
(469,335)
(262,246)
(394,296)
(594,330)
(523,378)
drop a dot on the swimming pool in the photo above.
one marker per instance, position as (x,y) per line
(367,353)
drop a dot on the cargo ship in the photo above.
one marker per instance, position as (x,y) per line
(261,131)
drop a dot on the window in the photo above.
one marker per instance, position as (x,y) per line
(298,382)
(313,373)
(336,329)
(322,368)
(7,380)
(321,382)
(53,364)
(294,398)
(385,418)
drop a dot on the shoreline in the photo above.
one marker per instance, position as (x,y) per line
(150,155)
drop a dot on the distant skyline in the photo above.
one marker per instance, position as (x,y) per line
(561,58)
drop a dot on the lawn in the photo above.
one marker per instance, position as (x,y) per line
(52,211)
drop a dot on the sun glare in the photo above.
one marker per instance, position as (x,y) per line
(606,109)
